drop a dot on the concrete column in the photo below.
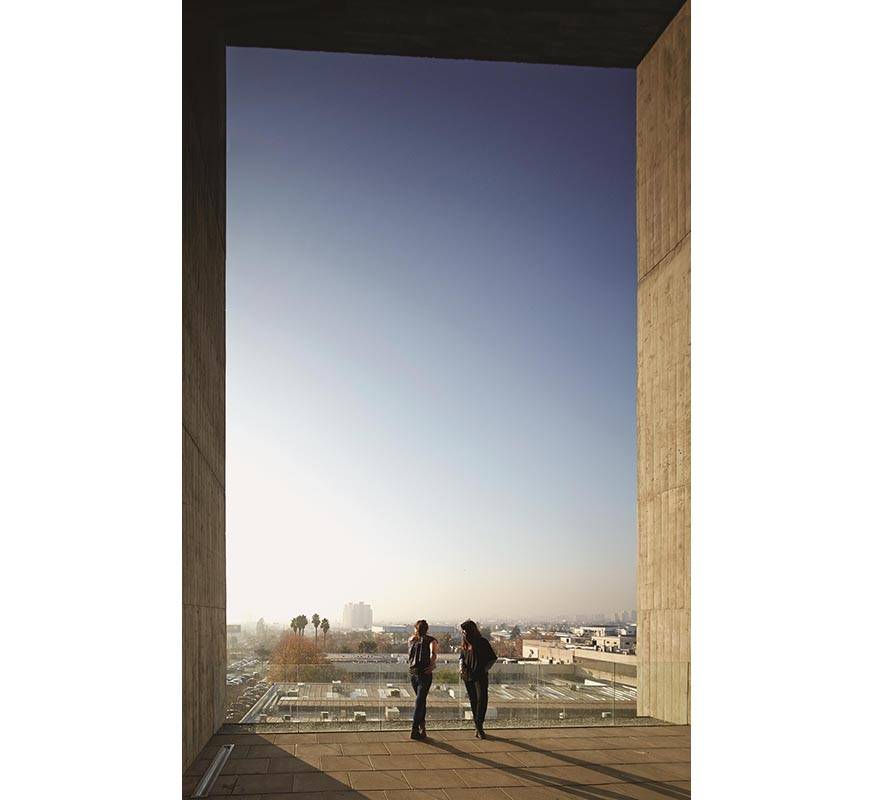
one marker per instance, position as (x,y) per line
(663,374)
(203,384)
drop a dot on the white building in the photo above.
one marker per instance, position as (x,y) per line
(357,616)
(616,644)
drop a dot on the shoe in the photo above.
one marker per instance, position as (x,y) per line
(422,732)
(480,733)
(416,735)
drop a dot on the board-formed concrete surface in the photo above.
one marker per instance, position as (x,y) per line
(664,230)
(203,387)
(610,763)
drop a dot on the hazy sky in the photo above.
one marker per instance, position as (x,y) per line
(430,337)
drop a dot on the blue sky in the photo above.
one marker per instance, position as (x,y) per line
(430,337)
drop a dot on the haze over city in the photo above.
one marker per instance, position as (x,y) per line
(430,337)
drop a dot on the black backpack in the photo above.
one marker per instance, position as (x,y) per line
(420,655)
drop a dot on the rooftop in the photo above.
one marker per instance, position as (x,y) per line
(608,763)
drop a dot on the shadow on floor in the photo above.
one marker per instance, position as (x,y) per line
(257,766)
(527,774)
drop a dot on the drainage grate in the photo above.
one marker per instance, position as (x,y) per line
(209,777)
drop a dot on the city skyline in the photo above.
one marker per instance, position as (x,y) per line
(430,337)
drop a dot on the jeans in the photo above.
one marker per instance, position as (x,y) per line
(421,685)
(478,693)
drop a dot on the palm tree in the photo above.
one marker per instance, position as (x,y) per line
(302,623)
(316,620)
(326,626)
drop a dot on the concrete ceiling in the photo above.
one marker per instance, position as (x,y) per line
(601,33)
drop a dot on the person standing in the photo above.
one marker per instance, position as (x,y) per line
(422,660)
(475,660)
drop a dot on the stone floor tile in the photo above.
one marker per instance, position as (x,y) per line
(293,764)
(317,750)
(258,784)
(488,777)
(246,766)
(433,779)
(528,759)
(366,748)
(291,738)
(499,745)
(242,739)
(571,775)
(388,736)
(339,737)
(669,790)
(269,751)
(320,781)
(658,772)
(478,793)
(346,763)
(340,794)
(461,745)
(415,794)
(540,793)
(450,735)
(444,761)
(378,780)
(410,747)
(225,784)
(395,762)
(197,768)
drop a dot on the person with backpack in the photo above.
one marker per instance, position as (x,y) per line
(422,660)
(474,661)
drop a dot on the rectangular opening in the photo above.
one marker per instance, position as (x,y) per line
(431,283)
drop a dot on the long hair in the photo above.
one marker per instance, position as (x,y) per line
(469,634)
(421,627)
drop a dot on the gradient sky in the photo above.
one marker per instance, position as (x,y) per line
(430,337)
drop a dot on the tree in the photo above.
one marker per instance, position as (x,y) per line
(316,620)
(326,626)
(486,631)
(367,646)
(262,652)
(297,658)
(516,632)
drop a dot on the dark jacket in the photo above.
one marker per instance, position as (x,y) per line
(476,662)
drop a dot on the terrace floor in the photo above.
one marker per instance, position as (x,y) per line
(602,763)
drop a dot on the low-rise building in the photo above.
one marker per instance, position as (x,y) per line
(618,643)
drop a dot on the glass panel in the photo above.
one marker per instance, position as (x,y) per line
(373,692)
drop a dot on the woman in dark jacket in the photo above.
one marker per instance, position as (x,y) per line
(423,658)
(475,661)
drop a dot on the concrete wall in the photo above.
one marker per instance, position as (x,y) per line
(663,370)
(203,386)
(663,298)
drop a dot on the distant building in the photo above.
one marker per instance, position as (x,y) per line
(233,633)
(408,629)
(618,643)
(550,651)
(591,631)
(357,616)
